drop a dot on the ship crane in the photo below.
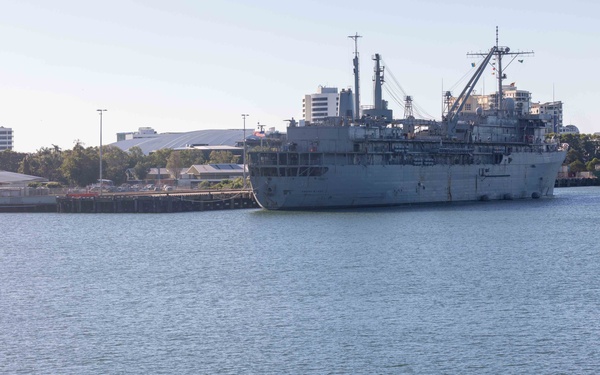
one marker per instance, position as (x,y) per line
(459,103)
(498,52)
(408,108)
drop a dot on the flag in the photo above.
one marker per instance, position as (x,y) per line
(512,84)
(520,61)
(472,65)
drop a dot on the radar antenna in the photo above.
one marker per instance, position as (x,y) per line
(499,52)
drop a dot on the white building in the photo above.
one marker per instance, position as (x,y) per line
(520,98)
(555,112)
(143,132)
(6,138)
(568,129)
(323,103)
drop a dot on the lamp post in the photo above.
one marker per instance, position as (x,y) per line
(244,115)
(100,111)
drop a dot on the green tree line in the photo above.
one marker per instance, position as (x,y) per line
(81,165)
(584,151)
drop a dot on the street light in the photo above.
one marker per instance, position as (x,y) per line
(100,111)
(244,115)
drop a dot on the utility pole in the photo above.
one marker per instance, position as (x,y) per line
(244,115)
(100,111)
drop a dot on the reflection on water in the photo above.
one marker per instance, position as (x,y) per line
(486,287)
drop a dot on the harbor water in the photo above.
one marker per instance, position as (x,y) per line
(507,287)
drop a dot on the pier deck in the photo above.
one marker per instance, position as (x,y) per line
(156,202)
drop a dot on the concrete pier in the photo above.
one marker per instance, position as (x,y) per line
(574,182)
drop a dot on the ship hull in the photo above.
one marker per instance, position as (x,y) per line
(525,175)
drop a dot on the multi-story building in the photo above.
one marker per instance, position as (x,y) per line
(520,98)
(521,105)
(555,112)
(323,103)
(6,138)
(327,102)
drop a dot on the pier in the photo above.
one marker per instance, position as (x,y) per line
(156,203)
(576,182)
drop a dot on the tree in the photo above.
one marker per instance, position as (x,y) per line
(191,157)
(577,166)
(10,160)
(573,155)
(25,166)
(159,158)
(141,170)
(223,157)
(81,166)
(115,163)
(136,154)
(591,165)
(174,164)
(582,147)
(45,162)
(139,162)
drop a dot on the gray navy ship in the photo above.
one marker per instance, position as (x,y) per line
(492,154)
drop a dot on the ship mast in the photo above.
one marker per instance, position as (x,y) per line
(377,82)
(499,52)
(356,79)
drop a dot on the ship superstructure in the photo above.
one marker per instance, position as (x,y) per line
(375,160)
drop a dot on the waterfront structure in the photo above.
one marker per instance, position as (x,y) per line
(193,139)
(158,174)
(16,196)
(191,176)
(13,179)
(498,153)
(6,138)
(214,172)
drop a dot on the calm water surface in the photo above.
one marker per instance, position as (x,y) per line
(507,287)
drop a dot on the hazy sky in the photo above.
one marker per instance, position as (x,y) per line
(182,65)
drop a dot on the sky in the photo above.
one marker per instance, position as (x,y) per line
(185,65)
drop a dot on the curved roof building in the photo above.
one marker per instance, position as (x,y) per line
(216,137)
